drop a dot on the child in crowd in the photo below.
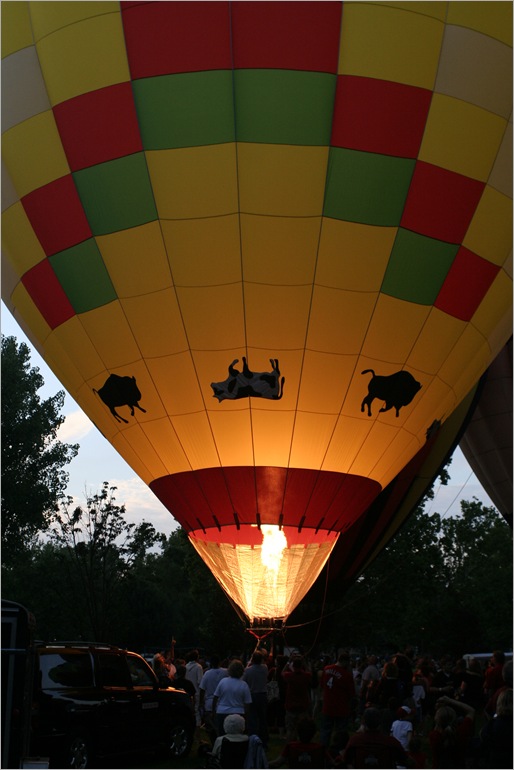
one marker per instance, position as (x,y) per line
(305,752)
(401,729)
(418,695)
(416,755)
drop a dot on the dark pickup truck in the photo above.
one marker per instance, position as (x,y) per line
(91,701)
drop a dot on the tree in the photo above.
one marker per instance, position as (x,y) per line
(441,585)
(33,460)
(99,548)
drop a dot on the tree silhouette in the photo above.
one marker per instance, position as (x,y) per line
(33,460)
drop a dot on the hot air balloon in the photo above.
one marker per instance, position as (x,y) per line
(266,246)
(487,441)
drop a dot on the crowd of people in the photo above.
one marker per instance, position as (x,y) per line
(400,711)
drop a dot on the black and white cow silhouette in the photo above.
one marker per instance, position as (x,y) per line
(120,391)
(396,390)
(247,383)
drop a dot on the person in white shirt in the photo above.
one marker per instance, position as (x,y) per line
(231,696)
(401,729)
(208,684)
(194,673)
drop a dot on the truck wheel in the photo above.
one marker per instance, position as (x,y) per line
(79,754)
(180,738)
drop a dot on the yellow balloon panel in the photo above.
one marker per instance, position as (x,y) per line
(10,280)
(461,137)
(279,250)
(19,241)
(213,316)
(16,27)
(121,252)
(176,381)
(135,446)
(435,343)
(378,41)
(366,458)
(110,334)
(51,16)
(346,442)
(490,233)
(314,396)
(282,180)
(469,351)
(394,329)
(492,18)
(33,153)
(436,398)
(204,252)
(353,256)
(489,318)
(400,450)
(204,181)
(339,320)
(272,434)
(72,336)
(233,435)
(276,316)
(312,434)
(195,435)
(162,436)
(150,312)
(501,175)
(102,34)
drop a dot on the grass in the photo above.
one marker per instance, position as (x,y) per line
(276,744)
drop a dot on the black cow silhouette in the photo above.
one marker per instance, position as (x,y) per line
(247,383)
(120,391)
(396,390)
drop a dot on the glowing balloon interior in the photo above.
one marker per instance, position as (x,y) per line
(265,246)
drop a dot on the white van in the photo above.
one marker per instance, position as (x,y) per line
(483,658)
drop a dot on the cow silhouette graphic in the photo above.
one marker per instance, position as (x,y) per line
(396,390)
(247,383)
(120,391)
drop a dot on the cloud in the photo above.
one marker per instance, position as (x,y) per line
(75,426)
(141,504)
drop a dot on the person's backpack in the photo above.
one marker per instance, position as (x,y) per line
(256,756)
(233,754)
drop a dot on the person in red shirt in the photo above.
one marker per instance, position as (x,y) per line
(494,674)
(298,683)
(339,698)
(450,738)
(369,747)
(304,753)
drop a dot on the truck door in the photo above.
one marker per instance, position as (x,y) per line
(17,677)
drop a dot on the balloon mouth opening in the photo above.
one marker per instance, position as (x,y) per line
(252,535)
(265,571)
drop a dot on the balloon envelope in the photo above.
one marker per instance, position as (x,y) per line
(265,246)
(487,442)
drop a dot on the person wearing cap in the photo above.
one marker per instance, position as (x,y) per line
(401,729)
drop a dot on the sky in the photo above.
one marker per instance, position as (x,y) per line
(97,461)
